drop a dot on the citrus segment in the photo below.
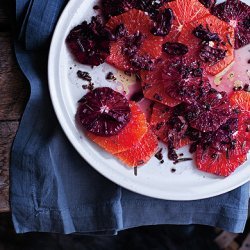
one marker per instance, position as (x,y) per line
(159,117)
(185,11)
(243,134)
(115,58)
(155,82)
(219,163)
(241,100)
(128,136)
(223,162)
(237,14)
(159,125)
(103,111)
(140,153)
(151,92)
(133,21)
(214,25)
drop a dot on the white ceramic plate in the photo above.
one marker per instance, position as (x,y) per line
(153,179)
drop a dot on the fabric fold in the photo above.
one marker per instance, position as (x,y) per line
(39,21)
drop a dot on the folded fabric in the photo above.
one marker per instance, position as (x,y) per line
(54,190)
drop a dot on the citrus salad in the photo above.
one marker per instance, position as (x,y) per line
(175,49)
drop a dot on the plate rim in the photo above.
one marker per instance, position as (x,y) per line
(126,183)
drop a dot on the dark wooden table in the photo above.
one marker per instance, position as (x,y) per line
(13,96)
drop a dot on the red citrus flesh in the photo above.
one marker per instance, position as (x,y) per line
(215,25)
(103,111)
(222,163)
(128,136)
(140,153)
(241,100)
(237,14)
(243,134)
(185,11)
(158,123)
(133,21)
(153,91)
(154,83)
(159,117)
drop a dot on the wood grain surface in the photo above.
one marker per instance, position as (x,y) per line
(13,96)
(12,83)
(7,133)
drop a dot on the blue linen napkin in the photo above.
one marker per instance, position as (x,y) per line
(54,190)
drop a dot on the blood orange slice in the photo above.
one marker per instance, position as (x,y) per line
(159,124)
(219,163)
(185,11)
(156,92)
(224,162)
(140,153)
(158,120)
(127,137)
(196,47)
(210,112)
(116,58)
(103,111)
(155,82)
(133,21)
(237,14)
(241,100)
(244,132)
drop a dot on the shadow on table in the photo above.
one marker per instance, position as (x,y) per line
(142,238)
